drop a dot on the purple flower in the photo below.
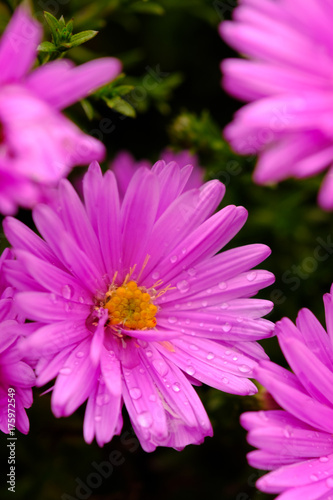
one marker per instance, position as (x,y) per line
(133,305)
(124,166)
(297,441)
(16,376)
(38,145)
(287,80)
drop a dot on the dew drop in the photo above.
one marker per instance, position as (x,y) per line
(313,477)
(329,482)
(152,397)
(142,371)
(187,321)
(225,305)
(65,371)
(98,418)
(149,354)
(244,369)
(227,353)
(135,393)
(234,358)
(188,304)
(173,259)
(286,432)
(176,387)
(161,367)
(251,276)
(53,298)
(102,399)
(226,327)
(183,286)
(190,370)
(68,306)
(194,347)
(225,380)
(323,459)
(184,250)
(145,419)
(67,291)
(210,356)
(81,300)
(191,271)
(80,354)
(209,291)
(222,285)
(155,275)
(204,303)
(172,320)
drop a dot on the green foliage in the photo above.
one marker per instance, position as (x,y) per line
(62,38)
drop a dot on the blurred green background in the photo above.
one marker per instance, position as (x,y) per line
(176,42)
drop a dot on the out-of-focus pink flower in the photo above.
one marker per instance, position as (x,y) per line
(132,303)
(124,166)
(287,79)
(16,376)
(38,144)
(296,442)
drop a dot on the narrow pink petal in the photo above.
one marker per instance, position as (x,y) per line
(18,47)
(75,83)
(45,307)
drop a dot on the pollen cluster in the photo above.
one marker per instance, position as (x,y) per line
(131,307)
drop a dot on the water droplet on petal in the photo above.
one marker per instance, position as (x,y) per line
(81,300)
(227,353)
(251,276)
(176,387)
(209,291)
(194,347)
(161,367)
(152,397)
(313,477)
(102,399)
(184,250)
(187,321)
(190,370)
(323,459)
(329,482)
(68,306)
(80,354)
(244,369)
(172,319)
(222,285)
(225,305)
(234,358)
(155,275)
(173,259)
(183,286)
(53,298)
(67,291)
(98,418)
(65,370)
(149,354)
(145,419)
(204,303)
(135,393)
(226,327)
(225,380)
(210,356)
(286,432)
(191,271)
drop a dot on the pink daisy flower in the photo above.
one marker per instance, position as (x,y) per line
(133,305)
(287,80)
(296,442)
(38,145)
(16,376)
(124,166)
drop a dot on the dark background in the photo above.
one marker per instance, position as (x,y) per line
(183,41)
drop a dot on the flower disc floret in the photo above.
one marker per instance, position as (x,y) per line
(131,306)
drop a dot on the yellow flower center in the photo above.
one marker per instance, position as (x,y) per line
(130,306)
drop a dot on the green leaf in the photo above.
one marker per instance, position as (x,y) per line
(82,37)
(87,108)
(54,26)
(120,105)
(47,47)
(145,7)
